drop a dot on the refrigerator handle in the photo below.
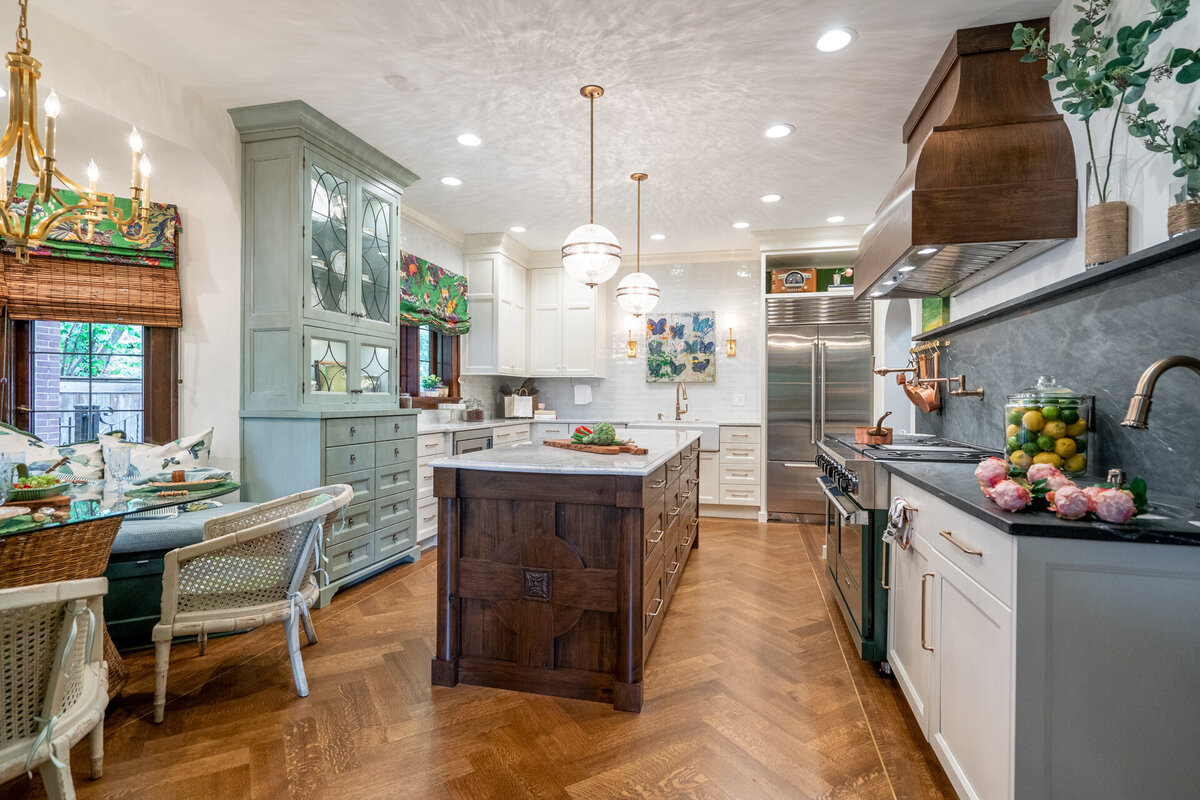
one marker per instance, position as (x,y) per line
(812,396)
(824,349)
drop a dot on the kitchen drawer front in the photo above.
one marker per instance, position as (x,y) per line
(851,590)
(738,474)
(350,556)
(395,452)
(427,517)
(654,536)
(350,430)
(520,433)
(395,539)
(557,431)
(653,487)
(394,479)
(737,434)
(655,599)
(363,483)
(510,434)
(688,536)
(737,495)
(395,509)
(674,466)
(993,570)
(424,479)
(740,454)
(431,444)
(359,521)
(398,427)
(672,562)
(348,458)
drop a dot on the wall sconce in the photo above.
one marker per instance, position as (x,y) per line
(632,323)
(631,346)
(731,343)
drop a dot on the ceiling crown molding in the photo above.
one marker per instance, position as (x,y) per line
(503,243)
(410,214)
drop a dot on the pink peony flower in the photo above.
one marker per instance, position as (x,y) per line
(990,472)
(1051,474)
(1114,505)
(1092,492)
(1070,502)
(1010,495)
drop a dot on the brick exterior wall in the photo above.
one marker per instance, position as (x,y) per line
(46,383)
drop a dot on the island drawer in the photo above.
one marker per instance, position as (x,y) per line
(395,539)
(348,458)
(672,562)
(689,536)
(653,487)
(359,521)
(674,508)
(395,451)
(431,444)
(350,556)
(363,483)
(396,478)
(397,427)
(655,600)
(349,430)
(653,537)
(674,466)
(395,508)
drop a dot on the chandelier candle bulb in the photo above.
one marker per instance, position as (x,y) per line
(93,173)
(52,109)
(145,170)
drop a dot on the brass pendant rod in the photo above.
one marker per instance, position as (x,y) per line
(639,227)
(592,160)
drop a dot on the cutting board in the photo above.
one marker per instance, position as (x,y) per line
(600,449)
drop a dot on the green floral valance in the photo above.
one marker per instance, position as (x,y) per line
(158,248)
(433,296)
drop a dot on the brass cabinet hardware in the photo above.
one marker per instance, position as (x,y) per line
(654,613)
(673,511)
(675,467)
(674,568)
(658,538)
(949,536)
(659,484)
(923,644)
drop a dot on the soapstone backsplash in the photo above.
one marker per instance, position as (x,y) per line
(1098,341)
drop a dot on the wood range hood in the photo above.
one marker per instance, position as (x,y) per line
(990,180)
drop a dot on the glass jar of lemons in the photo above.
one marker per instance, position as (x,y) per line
(1049,424)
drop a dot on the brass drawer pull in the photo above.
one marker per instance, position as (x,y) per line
(658,538)
(675,467)
(654,613)
(694,481)
(674,568)
(687,541)
(426,478)
(430,517)
(659,485)
(673,511)
(923,644)
(686,495)
(949,536)
(431,444)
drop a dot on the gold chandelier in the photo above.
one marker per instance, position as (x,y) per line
(25,222)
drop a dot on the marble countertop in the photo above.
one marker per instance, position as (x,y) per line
(451,427)
(1171,519)
(536,457)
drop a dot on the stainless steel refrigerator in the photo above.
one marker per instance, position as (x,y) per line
(818,382)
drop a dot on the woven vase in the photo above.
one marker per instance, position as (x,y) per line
(1183,217)
(1106,232)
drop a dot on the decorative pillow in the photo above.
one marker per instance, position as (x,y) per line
(86,461)
(184,453)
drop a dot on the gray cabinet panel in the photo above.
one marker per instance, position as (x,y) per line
(396,478)
(395,508)
(348,458)
(395,452)
(350,556)
(360,521)
(352,430)
(363,483)
(388,428)
(395,539)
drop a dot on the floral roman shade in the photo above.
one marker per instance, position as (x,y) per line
(432,296)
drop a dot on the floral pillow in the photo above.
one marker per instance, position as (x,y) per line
(85,461)
(185,452)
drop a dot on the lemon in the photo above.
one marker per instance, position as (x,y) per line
(1077,427)
(1033,420)
(1012,430)
(1065,448)
(1052,459)
(1076,463)
(1021,459)
(1055,430)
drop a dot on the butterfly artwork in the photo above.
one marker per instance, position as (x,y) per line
(681,347)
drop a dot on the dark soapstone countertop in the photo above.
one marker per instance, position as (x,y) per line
(1170,519)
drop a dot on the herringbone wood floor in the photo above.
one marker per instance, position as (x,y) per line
(752,691)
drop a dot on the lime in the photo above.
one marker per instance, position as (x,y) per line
(1065,447)
(1076,428)
(1052,459)
(1027,436)
(1020,459)
(1075,464)
(1009,450)
(1051,412)
(1014,416)
(1069,415)
(1030,448)
(1045,442)
(1080,444)
(1013,443)
(1033,420)
(1055,429)
(1049,401)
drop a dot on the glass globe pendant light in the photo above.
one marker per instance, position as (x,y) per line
(637,292)
(591,254)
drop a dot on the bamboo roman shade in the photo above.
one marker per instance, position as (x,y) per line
(105,278)
(432,296)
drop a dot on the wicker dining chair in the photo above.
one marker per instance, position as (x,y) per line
(53,679)
(254,566)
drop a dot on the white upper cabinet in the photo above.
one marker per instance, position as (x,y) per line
(566,326)
(497,293)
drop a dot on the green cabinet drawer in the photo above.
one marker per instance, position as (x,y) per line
(350,556)
(395,508)
(398,427)
(359,521)
(395,539)
(350,430)
(395,452)
(364,484)
(348,458)
(394,479)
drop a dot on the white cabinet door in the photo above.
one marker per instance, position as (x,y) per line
(478,350)
(545,322)
(510,333)
(582,336)
(971,722)
(909,625)
(710,478)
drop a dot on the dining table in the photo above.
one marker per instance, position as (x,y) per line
(70,535)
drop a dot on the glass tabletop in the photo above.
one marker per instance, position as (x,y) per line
(90,503)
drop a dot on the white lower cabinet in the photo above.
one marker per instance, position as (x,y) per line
(710,474)
(908,626)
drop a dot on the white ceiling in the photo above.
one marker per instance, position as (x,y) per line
(690,86)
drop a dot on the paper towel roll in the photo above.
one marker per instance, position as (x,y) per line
(583,394)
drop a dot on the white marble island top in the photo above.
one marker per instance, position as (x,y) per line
(537,457)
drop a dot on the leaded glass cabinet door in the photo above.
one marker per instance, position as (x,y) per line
(329,367)
(376,368)
(377,259)
(329,263)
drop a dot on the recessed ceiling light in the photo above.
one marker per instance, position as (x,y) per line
(772,198)
(658,237)
(779,130)
(907,268)
(925,251)
(740,225)
(835,218)
(452,181)
(470,140)
(517,229)
(835,39)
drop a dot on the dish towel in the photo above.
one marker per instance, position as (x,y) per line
(583,394)
(899,528)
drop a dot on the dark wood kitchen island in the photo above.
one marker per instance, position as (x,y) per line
(556,568)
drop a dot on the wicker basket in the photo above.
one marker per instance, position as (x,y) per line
(1106,232)
(1183,217)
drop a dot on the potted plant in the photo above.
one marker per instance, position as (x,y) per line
(1095,72)
(432,386)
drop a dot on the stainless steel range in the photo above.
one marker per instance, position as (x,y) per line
(858,492)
